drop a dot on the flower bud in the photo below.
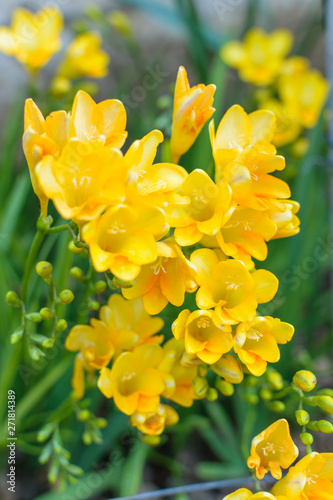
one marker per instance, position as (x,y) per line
(310,400)
(312,425)
(152,440)
(94,305)
(87,438)
(45,432)
(66,296)
(326,392)
(101,423)
(100,286)
(12,299)
(74,249)
(305,380)
(224,387)
(251,381)
(276,406)
(212,394)
(46,313)
(77,273)
(33,352)
(302,418)
(325,403)
(121,23)
(265,394)
(44,269)
(306,438)
(118,283)
(200,386)
(203,370)
(44,224)
(275,380)
(35,317)
(325,426)
(61,325)
(229,368)
(83,415)
(16,336)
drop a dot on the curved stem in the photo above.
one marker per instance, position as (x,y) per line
(34,249)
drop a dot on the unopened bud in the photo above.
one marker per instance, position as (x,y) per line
(302,418)
(44,269)
(121,23)
(325,426)
(306,438)
(87,438)
(275,380)
(310,400)
(46,313)
(212,394)
(94,305)
(45,432)
(83,415)
(251,381)
(225,388)
(265,394)
(325,403)
(305,380)
(118,283)
(101,423)
(66,296)
(12,299)
(100,286)
(77,273)
(16,337)
(276,406)
(200,386)
(251,398)
(35,317)
(61,325)
(312,425)
(74,249)
(33,352)
(229,368)
(326,392)
(151,440)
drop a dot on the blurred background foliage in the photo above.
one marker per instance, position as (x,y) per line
(206,444)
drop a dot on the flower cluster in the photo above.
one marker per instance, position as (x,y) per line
(162,232)
(294,91)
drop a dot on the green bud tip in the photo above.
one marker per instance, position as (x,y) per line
(302,418)
(94,305)
(305,380)
(46,313)
(74,249)
(265,394)
(76,273)
(61,325)
(225,388)
(35,317)
(83,415)
(325,403)
(306,438)
(151,440)
(276,406)
(12,298)
(325,426)
(100,286)
(200,386)
(44,269)
(212,394)
(66,296)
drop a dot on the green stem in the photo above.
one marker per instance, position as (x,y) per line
(283,393)
(59,229)
(34,249)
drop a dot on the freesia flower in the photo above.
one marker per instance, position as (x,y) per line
(84,58)
(209,208)
(245,494)
(287,222)
(256,342)
(33,38)
(260,56)
(164,280)
(135,382)
(204,334)
(272,449)
(288,127)
(123,239)
(310,479)
(230,288)
(154,423)
(191,110)
(303,91)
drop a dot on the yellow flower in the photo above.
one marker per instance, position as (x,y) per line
(230,288)
(204,334)
(33,38)
(182,374)
(148,182)
(260,56)
(287,126)
(123,239)
(244,157)
(191,110)
(272,449)
(80,182)
(84,58)
(135,382)
(310,479)
(120,22)
(303,91)
(245,494)
(103,123)
(164,280)
(78,378)
(256,342)
(244,235)
(209,208)
(42,137)
(123,324)
(287,222)
(153,423)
